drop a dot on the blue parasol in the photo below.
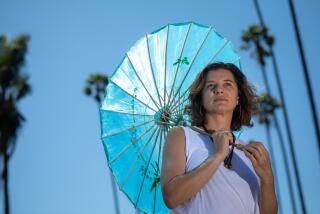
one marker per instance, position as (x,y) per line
(146,96)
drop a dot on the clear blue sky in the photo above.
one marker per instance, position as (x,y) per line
(59,165)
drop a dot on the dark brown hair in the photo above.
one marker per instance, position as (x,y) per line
(241,114)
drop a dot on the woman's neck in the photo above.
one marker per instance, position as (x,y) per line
(218,121)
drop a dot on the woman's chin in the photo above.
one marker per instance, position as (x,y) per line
(221,111)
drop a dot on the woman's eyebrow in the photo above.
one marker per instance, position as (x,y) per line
(228,80)
(225,80)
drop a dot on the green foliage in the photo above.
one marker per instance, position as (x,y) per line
(13,87)
(266,106)
(156,176)
(183,61)
(95,86)
(257,38)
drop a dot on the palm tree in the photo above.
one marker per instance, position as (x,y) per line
(257,36)
(13,87)
(96,85)
(285,112)
(305,72)
(266,106)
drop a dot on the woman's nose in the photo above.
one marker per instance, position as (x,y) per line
(217,90)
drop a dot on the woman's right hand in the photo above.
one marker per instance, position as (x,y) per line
(221,141)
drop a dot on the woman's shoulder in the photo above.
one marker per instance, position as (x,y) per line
(176,130)
(176,133)
(181,130)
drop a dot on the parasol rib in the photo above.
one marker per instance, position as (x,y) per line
(146,169)
(178,66)
(155,189)
(165,66)
(133,96)
(138,158)
(151,66)
(128,146)
(129,113)
(125,130)
(135,71)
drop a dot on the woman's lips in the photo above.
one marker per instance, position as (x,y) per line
(217,100)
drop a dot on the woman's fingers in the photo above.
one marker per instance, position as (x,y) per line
(259,158)
(259,146)
(253,151)
(251,157)
(222,139)
(239,146)
(259,152)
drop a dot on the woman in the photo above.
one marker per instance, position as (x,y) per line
(194,178)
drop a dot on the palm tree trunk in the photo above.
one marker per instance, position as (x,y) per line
(291,146)
(286,117)
(269,142)
(5,171)
(115,195)
(5,176)
(305,72)
(283,149)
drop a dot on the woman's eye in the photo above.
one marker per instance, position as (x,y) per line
(211,86)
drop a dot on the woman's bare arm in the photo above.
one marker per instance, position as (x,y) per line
(178,187)
(268,201)
(261,162)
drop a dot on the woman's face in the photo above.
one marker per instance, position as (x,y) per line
(220,92)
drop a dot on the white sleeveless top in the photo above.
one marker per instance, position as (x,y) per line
(229,191)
